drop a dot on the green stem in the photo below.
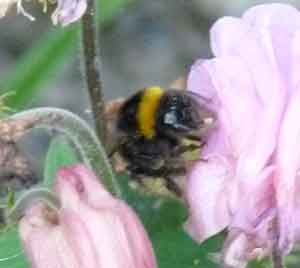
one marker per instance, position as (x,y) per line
(276,255)
(277,259)
(92,74)
(82,136)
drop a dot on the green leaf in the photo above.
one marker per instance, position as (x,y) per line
(11,253)
(175,249)
(47,57)
(164,219)
(60,153)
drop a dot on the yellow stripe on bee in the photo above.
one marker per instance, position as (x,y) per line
(147,111)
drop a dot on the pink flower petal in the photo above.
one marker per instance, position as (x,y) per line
(297,214)
(44,240)
(254,86)
(239,108)
(91,228)
(138,238)
(257,204)
(234,37)
(108,234)
(288,158)
(207,189)
(81,193)
(281,22)
(239,248)
(199,81)
(77,235)
(263,16)
(78,184)
(235,248)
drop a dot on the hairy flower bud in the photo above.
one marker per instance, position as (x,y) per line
(90,229)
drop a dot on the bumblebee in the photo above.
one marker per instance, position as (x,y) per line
(153,124)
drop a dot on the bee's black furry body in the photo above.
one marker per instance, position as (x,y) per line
(151,143)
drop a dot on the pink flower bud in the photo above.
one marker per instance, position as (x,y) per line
(91,229)
(249,184)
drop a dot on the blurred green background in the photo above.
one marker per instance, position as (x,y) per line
(142,43)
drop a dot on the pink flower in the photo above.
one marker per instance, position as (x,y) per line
(66,12)
(250,183)
(91,229)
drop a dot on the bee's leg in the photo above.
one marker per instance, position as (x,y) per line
(136,174)
(134,171)
(113,150)
(181,149)
(116,147)
(167,172)
(164,172)
(172,186)
(194,137)
(205,160)
(197,139)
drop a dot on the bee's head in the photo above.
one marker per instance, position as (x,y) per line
(180,114)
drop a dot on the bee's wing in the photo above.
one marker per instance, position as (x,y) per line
(202,99)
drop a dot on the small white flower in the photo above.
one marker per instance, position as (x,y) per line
(67,11)
(5,5)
